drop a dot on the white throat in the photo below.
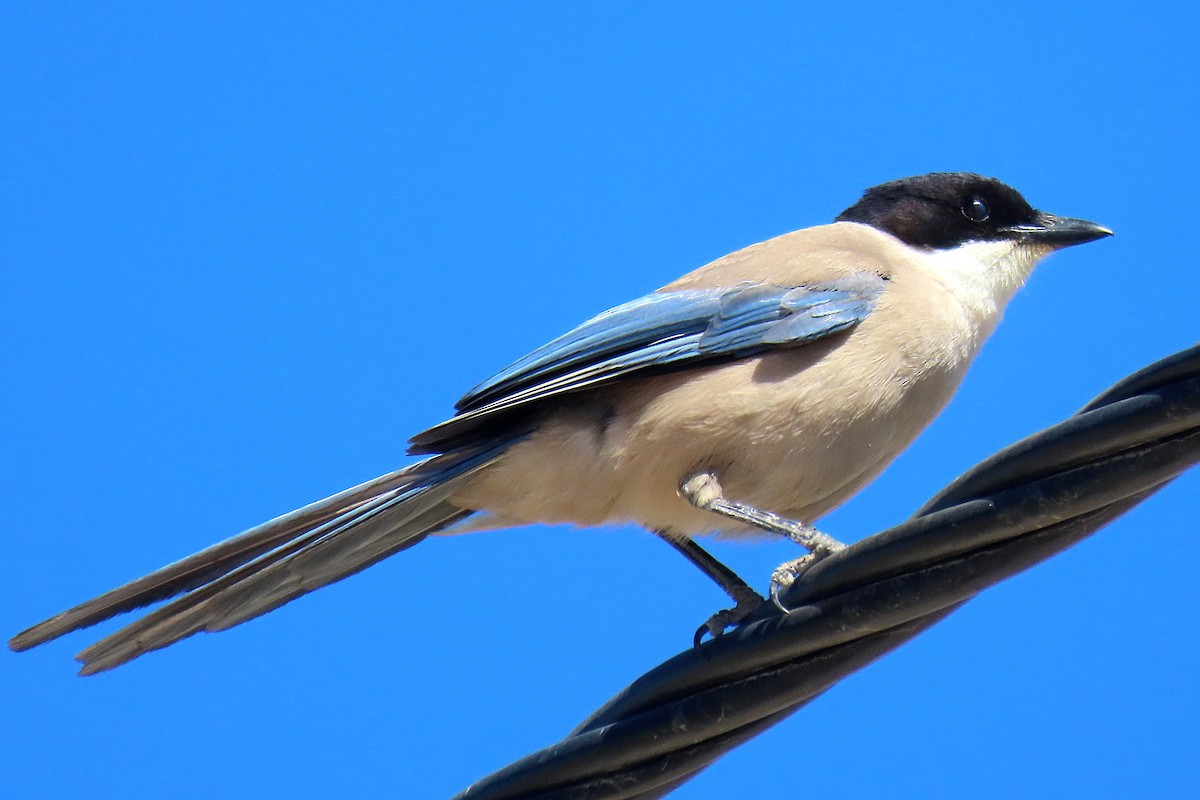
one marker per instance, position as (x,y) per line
(984,276)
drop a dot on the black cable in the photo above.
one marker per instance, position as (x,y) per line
(1015,509)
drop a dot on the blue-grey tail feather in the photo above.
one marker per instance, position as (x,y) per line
(276,562)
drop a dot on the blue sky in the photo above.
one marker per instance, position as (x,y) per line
(248,251)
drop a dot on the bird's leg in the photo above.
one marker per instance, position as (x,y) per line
(704,491)
(745,599)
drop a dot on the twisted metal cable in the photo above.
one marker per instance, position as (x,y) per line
(1015,509)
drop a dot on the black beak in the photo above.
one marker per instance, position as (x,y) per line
(1059,231)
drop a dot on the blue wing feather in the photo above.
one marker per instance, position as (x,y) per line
(622,329)
(660,331)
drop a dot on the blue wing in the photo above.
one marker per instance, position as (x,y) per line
(658,332)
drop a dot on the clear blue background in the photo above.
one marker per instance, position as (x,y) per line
(247,251)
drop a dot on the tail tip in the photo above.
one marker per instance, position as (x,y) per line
(30,638)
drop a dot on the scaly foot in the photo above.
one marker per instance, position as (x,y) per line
(704,491)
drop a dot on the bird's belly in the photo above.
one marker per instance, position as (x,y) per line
(797,436)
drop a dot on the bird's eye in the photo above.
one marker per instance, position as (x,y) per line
(976,210)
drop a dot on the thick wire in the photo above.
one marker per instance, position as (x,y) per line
(1015,509)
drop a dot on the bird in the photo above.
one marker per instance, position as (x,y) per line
(758,392)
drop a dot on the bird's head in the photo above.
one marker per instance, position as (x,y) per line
(945,210)
(977,236)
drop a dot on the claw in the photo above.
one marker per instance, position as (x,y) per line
(774,593)
(716,625)
(711,627)
(786,574)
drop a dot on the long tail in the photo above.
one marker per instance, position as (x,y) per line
(274,563)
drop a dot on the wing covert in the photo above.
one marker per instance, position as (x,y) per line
(661,331)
